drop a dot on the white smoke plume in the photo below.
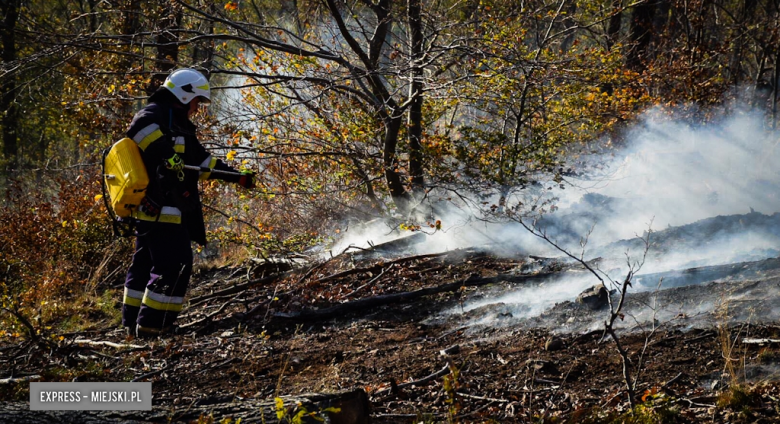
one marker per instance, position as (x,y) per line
(671,173)
(676,173)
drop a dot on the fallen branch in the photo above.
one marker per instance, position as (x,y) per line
(211,315)
(442,372)
(677,377)
(150,374)
(377,266)
(109,344)
(692,402)
(760,341)
(384,270)
(238,288)
(706,335)
(483,398)
(476,411)
(11,380)
(373,302)
(23,320)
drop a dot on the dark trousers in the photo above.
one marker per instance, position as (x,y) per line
(158,277)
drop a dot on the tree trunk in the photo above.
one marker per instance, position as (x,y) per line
(203,52)
(416,97)
(613,27)
(8,106)
(390,158)
(167,48)
(738,42)
(641,33)
(775,91)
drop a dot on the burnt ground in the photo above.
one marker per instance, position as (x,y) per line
(261,330)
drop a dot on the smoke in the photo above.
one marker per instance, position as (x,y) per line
(676,173)
(670,173)
(709,192)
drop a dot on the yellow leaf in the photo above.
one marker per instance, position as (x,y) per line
(98,197)
(64,224)
(231,155)
(279,408)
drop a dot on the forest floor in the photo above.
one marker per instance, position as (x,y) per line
(438,338)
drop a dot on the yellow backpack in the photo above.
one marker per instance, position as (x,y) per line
(124,179)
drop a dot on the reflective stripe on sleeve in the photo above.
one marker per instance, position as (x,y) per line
(147,135)
(210,162)
(178,145)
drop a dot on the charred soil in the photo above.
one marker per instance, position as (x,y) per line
(401,328)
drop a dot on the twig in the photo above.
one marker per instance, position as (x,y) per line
(273,298)
(677,377)
(202,301)
(149,374)
(760,341)
(211,315)
(347,273)
(384,270)
(19,379)
(378,265)
(248,224)
(615,311)
(692,403)
(240,287)
(109,344)
(380,300)
(476,411)
(706,335)
(404,415)
(20,317)
(437,374)
(311,270)
(483,398)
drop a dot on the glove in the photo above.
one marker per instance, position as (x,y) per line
(175,164)
(149,206)
(247,179)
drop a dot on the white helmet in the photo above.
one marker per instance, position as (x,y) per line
(186,84)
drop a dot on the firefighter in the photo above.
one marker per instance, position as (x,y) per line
(170,214)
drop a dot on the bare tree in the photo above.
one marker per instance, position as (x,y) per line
(630,373)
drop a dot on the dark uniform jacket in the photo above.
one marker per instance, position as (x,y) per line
(160,130)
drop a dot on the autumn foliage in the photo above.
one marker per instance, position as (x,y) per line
(345,115)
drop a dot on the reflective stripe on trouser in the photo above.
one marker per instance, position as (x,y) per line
(158,278)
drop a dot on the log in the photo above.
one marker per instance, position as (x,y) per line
(698,275)
(401,244)
(381,300)
(353,408)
